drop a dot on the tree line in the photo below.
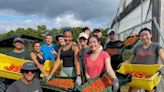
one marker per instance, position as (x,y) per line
(41,30)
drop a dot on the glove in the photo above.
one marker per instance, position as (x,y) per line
(78,81)
(115,85)
(161,71)
(89,80)
(48,77)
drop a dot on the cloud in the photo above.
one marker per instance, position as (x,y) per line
(55,13)
(84,9)
(70,20)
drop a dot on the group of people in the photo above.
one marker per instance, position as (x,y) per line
(85,59)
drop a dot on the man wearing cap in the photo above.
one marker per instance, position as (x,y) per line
(18,51)
(28,83)
(60,40)
(83,40)
(86,30)
(97,31)
(116,59)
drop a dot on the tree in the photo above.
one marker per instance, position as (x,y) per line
(42,29)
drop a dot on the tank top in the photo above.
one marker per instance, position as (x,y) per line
(41,61)
(67,57)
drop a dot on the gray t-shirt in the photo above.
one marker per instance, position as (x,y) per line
(83,53)
(148,55)
(24,55)
(20,86)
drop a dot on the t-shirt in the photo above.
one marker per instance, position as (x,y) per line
(148,55)
(115,44)
(46,50)
(24,55)
(117,58)
(82,55)
(96,67)
(20,86)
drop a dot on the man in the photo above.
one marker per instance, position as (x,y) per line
(97,31)
(18,51)
(47,48)
(86,30)
(28,83)
(116,47)
(60,40)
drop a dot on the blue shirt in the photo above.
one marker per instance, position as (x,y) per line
(46,50)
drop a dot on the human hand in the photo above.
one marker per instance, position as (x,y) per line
(48,77)
(54,52)
(115,85)
(123,63)
(161,71)
(78,81)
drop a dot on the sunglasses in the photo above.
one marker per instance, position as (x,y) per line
(28,71)
(66,30)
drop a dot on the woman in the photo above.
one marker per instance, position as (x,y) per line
(84,49)
(69,53)
(37,58)
(146,53)
(98,61)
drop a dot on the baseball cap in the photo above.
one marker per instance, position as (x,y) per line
(29,65)
(96,30)
(83,35)
(18,39)
(85,28)
(112,33)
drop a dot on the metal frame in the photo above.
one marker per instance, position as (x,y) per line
(154,20)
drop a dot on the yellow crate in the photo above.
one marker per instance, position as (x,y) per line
(6,60)
(48,67)
(144,83)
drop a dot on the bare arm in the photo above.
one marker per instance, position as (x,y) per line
(109,69)
(56,63)
(161,54)
(129,60)
(33,58)
(76,59)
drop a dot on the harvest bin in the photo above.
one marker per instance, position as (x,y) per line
(6,60)
(55,88)
(145,83)
(123,79)
(48,65)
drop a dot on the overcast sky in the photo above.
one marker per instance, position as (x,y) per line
(56,13)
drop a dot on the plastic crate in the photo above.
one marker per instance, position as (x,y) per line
(131,41)
(48,65)
(6,60)
(145,83)
(56,88)
(123,79)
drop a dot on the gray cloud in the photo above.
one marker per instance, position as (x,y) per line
(82,9)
